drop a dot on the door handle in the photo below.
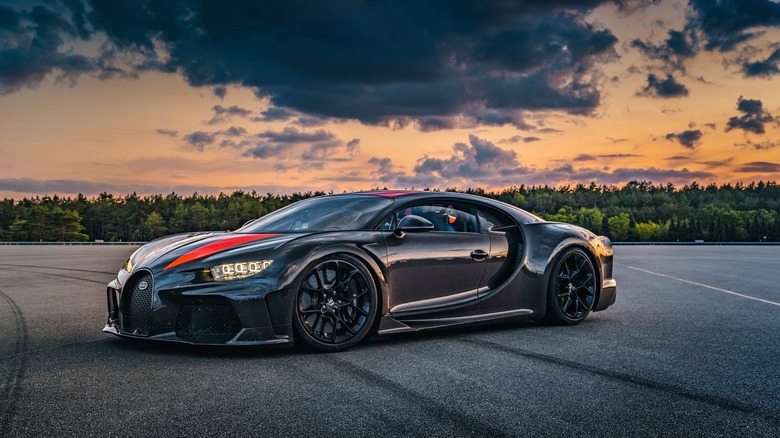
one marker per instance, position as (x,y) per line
(478,255)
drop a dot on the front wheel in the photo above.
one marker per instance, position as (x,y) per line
(572,289)
(335,304)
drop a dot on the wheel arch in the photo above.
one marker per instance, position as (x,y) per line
(370,262)
(559,251)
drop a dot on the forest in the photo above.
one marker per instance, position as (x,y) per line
(638,211)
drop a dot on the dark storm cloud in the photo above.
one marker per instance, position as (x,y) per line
(200,139)
(168,132)
(663,88)
(717,25)
(30,48)
(759,167)
(429,62)
(753,118)
(688,138)
(765,68)
(727,23)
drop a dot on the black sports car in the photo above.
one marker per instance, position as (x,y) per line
(329,270)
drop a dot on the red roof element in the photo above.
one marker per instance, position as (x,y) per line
(391,193)
(215,247)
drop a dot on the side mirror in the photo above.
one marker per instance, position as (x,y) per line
(412,224)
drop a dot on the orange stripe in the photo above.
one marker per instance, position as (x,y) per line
(215,247)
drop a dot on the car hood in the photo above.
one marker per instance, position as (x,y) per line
(183,250)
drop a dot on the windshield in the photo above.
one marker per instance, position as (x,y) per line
(324,213)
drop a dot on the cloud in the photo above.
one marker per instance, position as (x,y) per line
(673,52)
(480,163)
(519,138)
(267,150)
(274,114)
(200,139)
(760,146)
(688,138)
(589,157)
(168,132)
(478,158)
(753,118)
(713,164)
(332,151)
(717,25)
(725,24)
(758,167)
(224,114)
(291,134)
(308,148)
(30,43)
(766,68)
(234,131)
(663,88)
(423,63)
(220,91)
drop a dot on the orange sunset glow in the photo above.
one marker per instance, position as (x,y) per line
(210,97)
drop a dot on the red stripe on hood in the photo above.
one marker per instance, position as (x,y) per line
(215,247)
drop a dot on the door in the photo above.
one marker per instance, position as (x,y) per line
(437,270)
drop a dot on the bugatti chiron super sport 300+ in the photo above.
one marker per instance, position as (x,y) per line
(329,270)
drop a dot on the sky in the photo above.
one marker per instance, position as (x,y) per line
(126,96)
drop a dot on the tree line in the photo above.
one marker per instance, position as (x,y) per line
(637,211)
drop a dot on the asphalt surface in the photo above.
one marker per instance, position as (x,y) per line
(679,354)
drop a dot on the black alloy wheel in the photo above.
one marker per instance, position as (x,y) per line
(572,289)
(336,303)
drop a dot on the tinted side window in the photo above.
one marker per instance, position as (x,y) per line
(443,216)
(490,219)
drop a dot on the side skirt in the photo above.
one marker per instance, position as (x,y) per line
(389,325)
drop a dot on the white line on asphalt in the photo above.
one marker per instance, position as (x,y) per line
(703,285)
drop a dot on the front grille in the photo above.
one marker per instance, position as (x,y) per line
(137,309)
(207,321)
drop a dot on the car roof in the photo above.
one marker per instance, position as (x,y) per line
(408,195)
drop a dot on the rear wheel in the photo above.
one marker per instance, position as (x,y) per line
(572,289)
(335,304)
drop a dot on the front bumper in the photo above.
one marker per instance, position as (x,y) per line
(210,314)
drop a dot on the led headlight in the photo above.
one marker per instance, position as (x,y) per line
(235,271)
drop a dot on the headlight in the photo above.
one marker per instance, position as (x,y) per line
(235,271)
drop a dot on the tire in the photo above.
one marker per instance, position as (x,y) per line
(335,303)
(572,289)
